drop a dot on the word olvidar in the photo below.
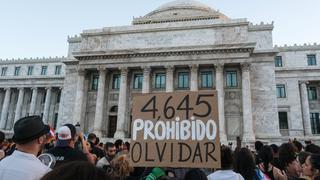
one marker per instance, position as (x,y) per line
(175,130)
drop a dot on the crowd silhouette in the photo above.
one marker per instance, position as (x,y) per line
(35,152)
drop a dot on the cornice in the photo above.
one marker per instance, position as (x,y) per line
(260,27)
(153,20)
(295,47)
(265,51)
(32,60)
(71,62)
(305,69)
(175,27)
(37,78)
(173,51)
(74,39)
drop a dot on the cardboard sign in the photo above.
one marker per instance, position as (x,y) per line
(175,130)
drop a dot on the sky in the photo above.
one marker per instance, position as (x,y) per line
(39,28)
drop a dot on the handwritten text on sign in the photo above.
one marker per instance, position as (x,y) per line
(175,130)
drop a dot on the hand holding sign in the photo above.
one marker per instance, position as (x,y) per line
(175,130)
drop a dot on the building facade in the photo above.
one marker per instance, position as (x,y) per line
(30,87)
(265,92)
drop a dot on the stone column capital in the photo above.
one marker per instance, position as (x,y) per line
(48,88)
(303,82)
(61,88)
(170,68)
(20,88)
(245,66)
(219,67)
(146,69)
(7,88)
(34,88)
(124,71)
(102,69)
(81,71)
(194,67)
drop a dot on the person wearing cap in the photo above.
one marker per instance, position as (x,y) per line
(30,138)
(65,150)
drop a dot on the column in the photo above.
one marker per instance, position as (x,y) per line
(194,77)
(17,115)
(5,108)
(77,111)
(169,79)
(98,119)
(122,105)
(33,101)
(220,90)
(47,105)
(146,80)
(248,134)
(305,109)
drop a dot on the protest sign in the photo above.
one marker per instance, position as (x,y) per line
(175,130)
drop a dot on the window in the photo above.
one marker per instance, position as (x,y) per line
(30,70)
(278,61)
(44,70)
(312,60)
(312,93)
(4,71)
(283,120)
(17,71)
(116,81)
(58,70)
(231,79)
(137,82)
(183,80)
(95,82)
(206,79)
(59,97)
(315,123)
(281,91)
(114,109)
(160,81)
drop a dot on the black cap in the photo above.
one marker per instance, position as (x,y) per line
(29,128)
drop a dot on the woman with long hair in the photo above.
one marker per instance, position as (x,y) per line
(311,168)
(266,157)
(248,170)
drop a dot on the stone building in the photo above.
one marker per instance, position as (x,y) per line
(181,46)
(30,87)
(297,89)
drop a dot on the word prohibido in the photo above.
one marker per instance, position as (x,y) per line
(175,130)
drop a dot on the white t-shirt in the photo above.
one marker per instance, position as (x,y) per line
(225,175)
(22,166)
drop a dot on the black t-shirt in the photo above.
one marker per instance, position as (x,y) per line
(98,152)
(67,154)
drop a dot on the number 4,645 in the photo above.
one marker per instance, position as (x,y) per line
(169,111)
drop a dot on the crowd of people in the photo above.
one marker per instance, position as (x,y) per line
(36,153)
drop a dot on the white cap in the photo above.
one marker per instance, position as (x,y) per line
(64,133)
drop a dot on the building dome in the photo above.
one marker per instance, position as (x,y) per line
(184,8)
(183,4)
(180,10)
